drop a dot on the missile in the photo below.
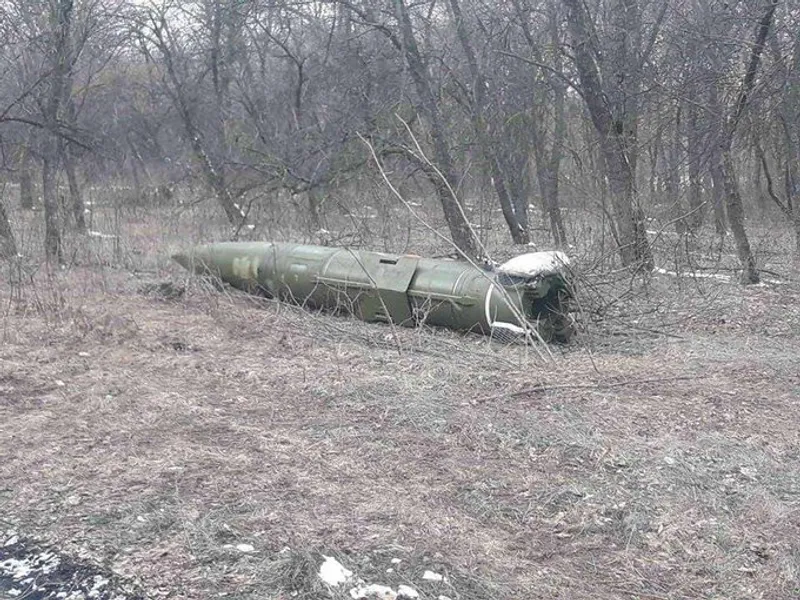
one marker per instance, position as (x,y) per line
(530,291)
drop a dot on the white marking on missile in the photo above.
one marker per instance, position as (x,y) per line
(509,327)
(486,305)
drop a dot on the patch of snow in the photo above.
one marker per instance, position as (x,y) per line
(19,570)
(99,583)
(333,572)
(48,562)
(12,540)
(695,275)
(535,263)
(382,592)
(443,597)
(431,576)
(396,561)
(768,282)
(245,548)
(101,235)
(720,276)
(15,569)
(371,591)
(407,591)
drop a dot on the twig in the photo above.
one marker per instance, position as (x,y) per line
(600,385)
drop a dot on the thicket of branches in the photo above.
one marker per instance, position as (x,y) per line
(687,109)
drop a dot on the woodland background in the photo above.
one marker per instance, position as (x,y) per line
(619,111)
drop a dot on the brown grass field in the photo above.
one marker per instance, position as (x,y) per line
(657,457)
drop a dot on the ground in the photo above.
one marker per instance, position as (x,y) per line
(217,445)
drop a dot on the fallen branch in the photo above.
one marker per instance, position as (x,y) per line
(600,385)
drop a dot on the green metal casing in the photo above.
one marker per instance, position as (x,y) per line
(403,289)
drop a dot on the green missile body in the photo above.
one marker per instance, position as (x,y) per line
(530,290)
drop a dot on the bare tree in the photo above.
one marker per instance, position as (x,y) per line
(727,165)
(548,161)
(515,213)
(186,82)
(8,244)
(60,13)
(610,86)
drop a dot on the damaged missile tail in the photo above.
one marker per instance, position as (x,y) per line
(530,290)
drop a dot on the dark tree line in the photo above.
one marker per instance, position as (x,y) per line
(689,107)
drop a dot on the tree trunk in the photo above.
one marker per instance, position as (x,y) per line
(518,233)
(460,229)
(694,160)
(213,170)
(557,229)
(633,245)
(76,198)
(8,244)
(733,199)
(548,167)
(553,163)
(733,202)
(548,187)
(797,231)
(60,21)
(716,170)
(52,231)
(718,197)
(672,178)
(25,180)
(613,113)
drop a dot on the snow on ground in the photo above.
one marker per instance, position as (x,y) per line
(101,235)
(335,574)
(719,276)
(28,570)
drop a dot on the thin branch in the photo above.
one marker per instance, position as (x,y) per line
(531,332)
(600,385)
(547,68)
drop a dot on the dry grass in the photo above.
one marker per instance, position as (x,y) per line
(658,458)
